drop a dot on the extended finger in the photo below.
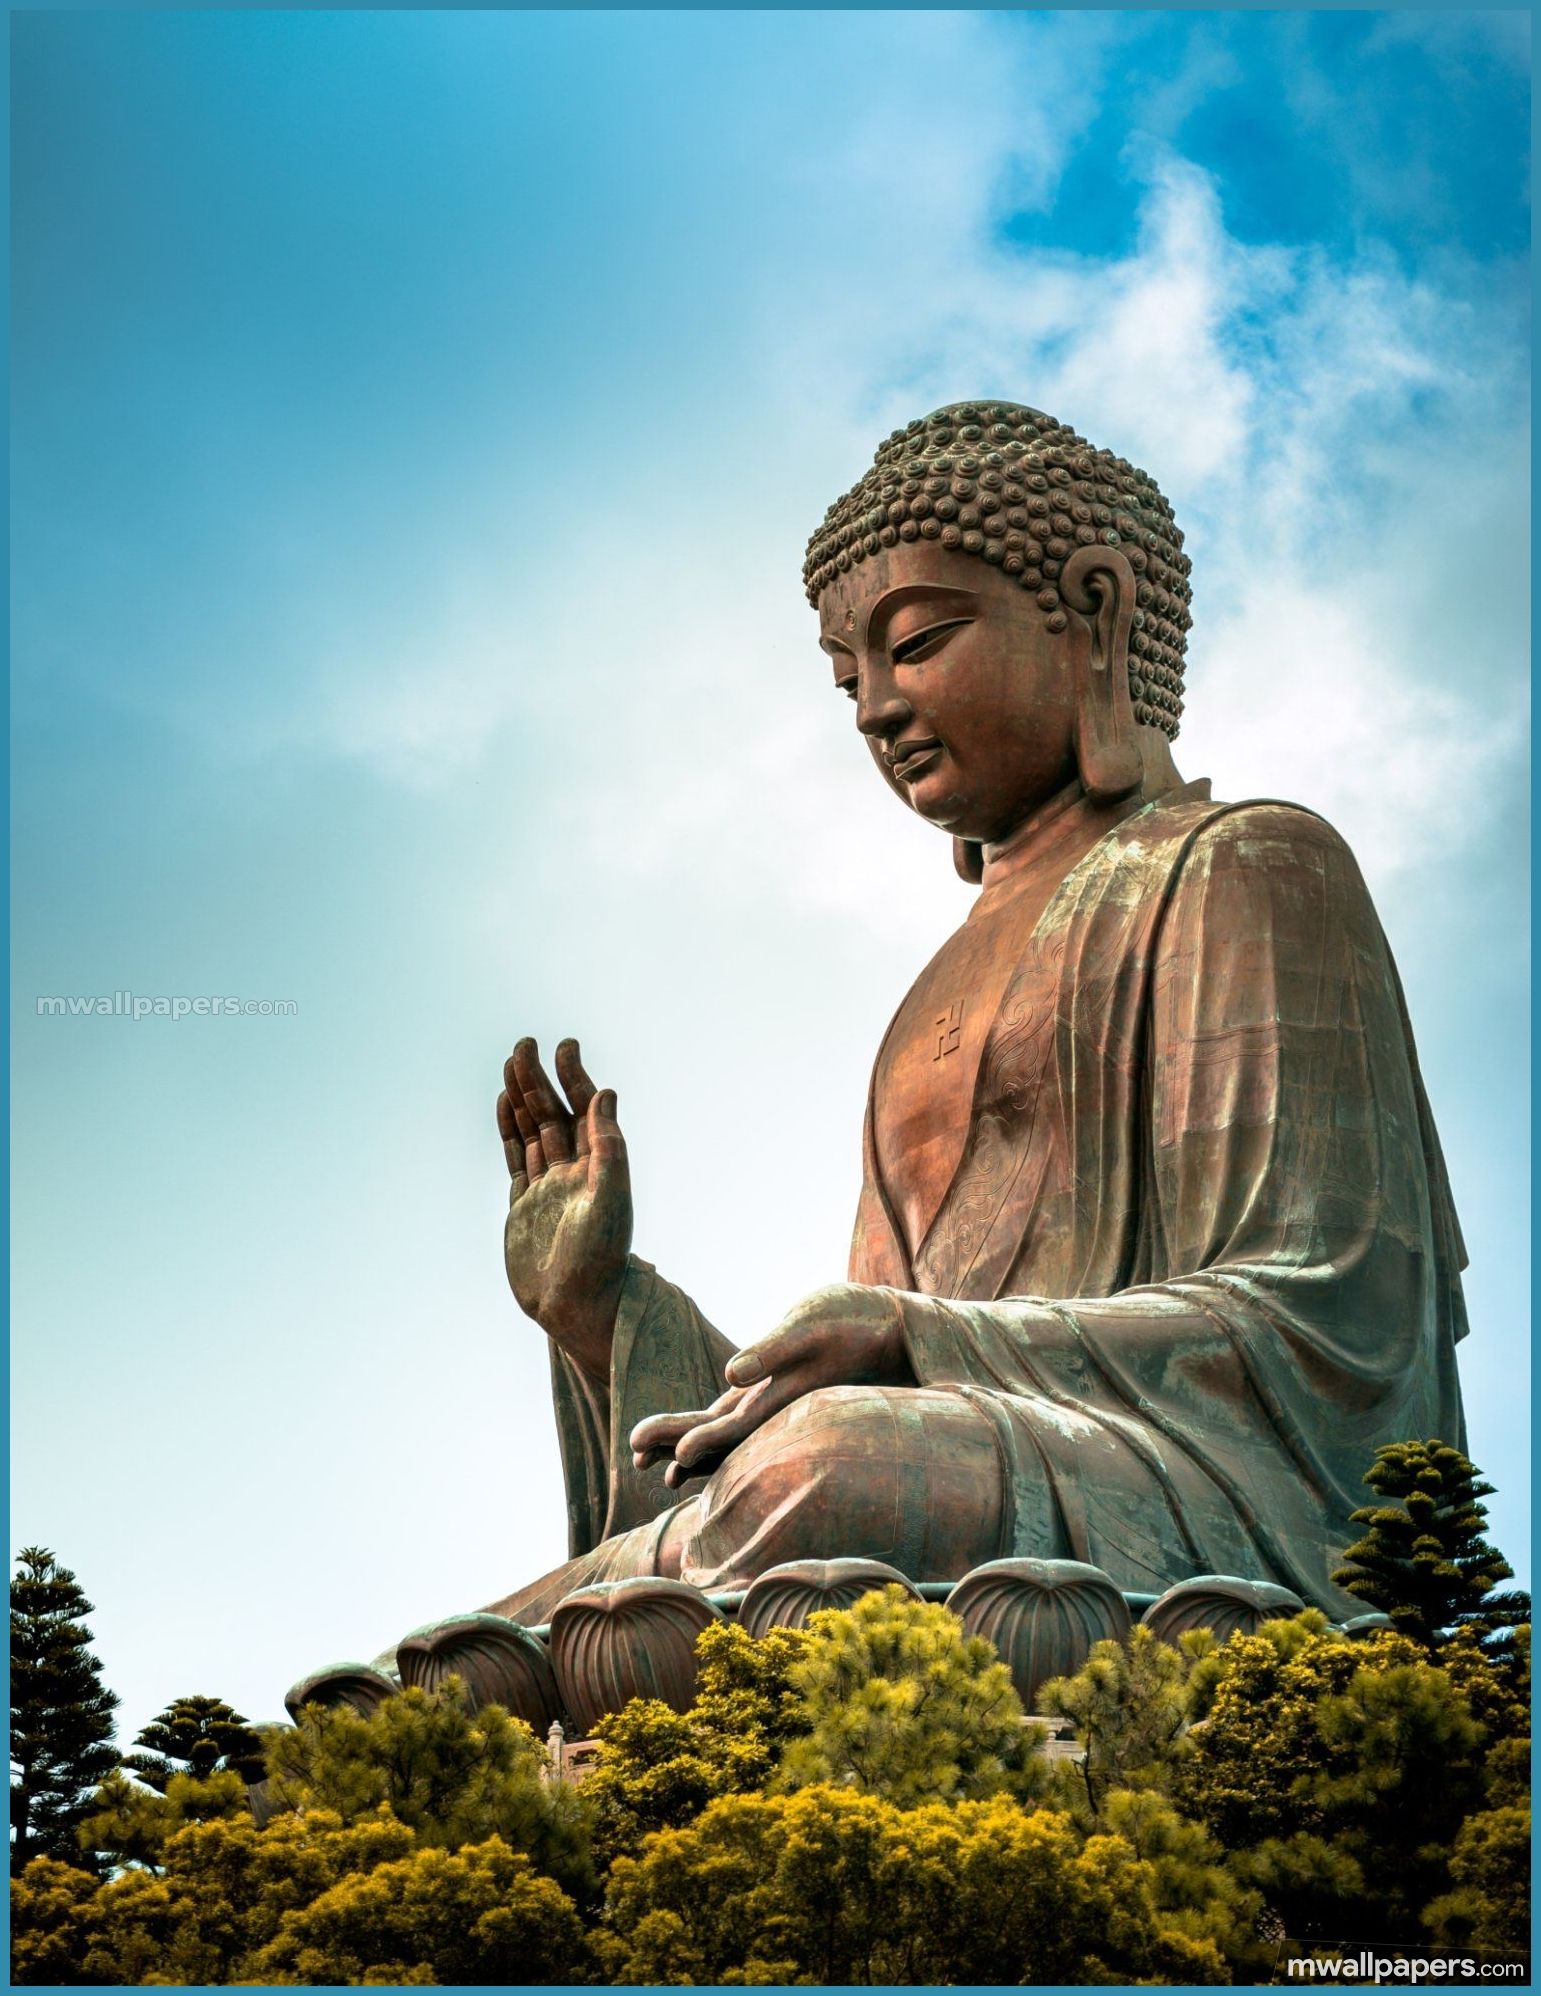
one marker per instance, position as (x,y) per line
(603,1141)
(530,1159)
(508,1130)
(664,1430)
(653,1440)
(578,1088)
(540,1099)
(529,1136)
(705,1445)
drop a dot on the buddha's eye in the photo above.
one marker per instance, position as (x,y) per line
(847,687)
(922,644)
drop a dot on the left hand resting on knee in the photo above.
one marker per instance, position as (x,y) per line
(846,1335)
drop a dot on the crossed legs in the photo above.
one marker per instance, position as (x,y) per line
(909,1475)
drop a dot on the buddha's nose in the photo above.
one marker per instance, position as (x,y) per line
(881,709)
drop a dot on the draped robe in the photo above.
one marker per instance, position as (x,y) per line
(1198,1257)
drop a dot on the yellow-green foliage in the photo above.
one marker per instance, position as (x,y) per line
(307,1899)
(478,1915)
(1333,1775)
(897,1701)
(1129,1704)
(1193,1885)
(453,1776)
(829,1886)
(224,1892)
(129,1824)
(853,1803)
(1490,1904)
(1335,1771)
(51,1906)
(658,1768)
(1496,1685)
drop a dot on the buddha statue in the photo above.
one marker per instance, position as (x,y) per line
(1155,1244)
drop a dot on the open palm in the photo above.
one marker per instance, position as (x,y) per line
(569,1211)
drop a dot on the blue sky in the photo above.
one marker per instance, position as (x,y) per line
(418,419)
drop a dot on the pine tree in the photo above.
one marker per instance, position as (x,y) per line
(1424,1559)
(453,1775)
(200,1737)
(61,1715)
(898,1701)
(658,1768)
(839,1888)
(1335,1771)
(130,1825)
(1129,1706)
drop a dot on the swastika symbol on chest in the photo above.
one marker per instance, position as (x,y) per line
(949,1029)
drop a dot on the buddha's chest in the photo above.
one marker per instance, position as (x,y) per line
(924,1086)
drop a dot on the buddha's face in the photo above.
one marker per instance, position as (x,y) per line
(966,698)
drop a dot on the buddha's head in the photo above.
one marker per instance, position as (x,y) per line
(1009,610)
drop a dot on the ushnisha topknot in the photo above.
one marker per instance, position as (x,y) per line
(1018,489)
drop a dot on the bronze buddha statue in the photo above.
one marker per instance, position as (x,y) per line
(1155,1244)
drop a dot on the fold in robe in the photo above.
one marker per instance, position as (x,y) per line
(1199,1258)
(665,1358)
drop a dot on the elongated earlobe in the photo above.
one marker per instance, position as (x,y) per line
(1098,583)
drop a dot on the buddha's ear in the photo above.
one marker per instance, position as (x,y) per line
(968,859)
(1098,584)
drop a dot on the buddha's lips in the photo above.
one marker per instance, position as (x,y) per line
(916,757)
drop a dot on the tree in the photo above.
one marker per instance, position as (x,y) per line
(1254,1744)
(451,1775)
(1424,1559)
(895,1700)
(1129,1705)
(197,1736)
(128,1824)
(50,1909)
(659,1768)
(836,1887)
(1192,1886)
(224,1892)
(1489,1905)
(1336,1773)
(307,1899)
(61,1714)
(476,1916)
(747,1682)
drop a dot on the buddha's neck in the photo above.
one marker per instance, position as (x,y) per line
(1065,827)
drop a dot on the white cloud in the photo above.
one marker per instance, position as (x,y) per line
(1299,412)
(1311,706)
(1335,437)
(1318,427)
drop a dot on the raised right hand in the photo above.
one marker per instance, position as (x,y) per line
(569,1208)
